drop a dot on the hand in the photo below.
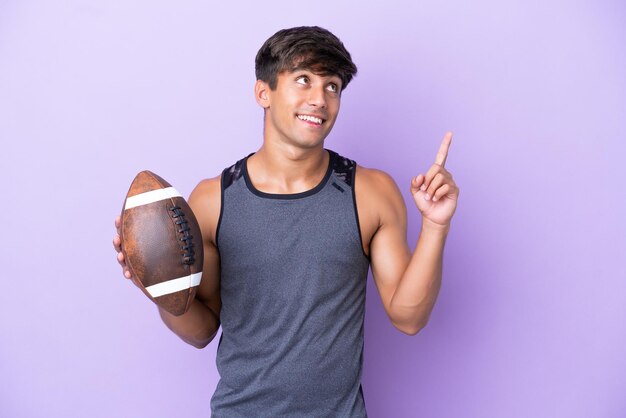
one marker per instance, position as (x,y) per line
(436,193)
(117,244)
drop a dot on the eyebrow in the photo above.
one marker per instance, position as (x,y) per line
(328,75)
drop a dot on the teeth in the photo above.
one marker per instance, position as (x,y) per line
(310,119)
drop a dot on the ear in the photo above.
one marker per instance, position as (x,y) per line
(261,94)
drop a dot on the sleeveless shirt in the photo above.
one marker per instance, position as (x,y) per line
(293,283)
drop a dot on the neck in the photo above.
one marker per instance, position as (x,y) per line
(284,168)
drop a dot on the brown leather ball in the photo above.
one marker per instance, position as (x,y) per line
(161,242)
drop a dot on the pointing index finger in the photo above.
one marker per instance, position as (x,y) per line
(442,154)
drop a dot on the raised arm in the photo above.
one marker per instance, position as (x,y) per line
(409,283)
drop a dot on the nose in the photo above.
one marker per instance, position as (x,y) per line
(317,97)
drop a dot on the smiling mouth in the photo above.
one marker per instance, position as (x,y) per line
(311,119)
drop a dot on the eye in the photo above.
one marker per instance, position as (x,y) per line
(302,79)
(333,87)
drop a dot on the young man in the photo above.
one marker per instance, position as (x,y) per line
(290,232)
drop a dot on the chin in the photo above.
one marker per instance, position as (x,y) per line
(312,144)
(307,143)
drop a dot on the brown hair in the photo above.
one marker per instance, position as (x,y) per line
(305,47)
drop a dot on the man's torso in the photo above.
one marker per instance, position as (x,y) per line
(293,280)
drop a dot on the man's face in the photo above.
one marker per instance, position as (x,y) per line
(303,108)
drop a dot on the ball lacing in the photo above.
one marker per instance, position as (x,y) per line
(185,236)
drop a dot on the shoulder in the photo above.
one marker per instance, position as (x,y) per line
(376,183)
(207,188)
(367,180)
(377,190)
(373,178)
(205,202)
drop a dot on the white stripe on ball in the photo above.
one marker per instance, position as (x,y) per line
(151,197)
(174,285)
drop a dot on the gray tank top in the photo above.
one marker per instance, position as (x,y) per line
(293,280)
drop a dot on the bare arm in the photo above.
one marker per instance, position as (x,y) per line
(199,325)
(409,283)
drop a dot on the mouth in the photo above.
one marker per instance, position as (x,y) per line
(311,120)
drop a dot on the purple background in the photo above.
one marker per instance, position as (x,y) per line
(530,318)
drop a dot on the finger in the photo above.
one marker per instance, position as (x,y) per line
(442,154)
(127,274)
(120,259)
(117,243)
(416,183)
(118,221)
(430,175)
(436,183)
(441,192)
